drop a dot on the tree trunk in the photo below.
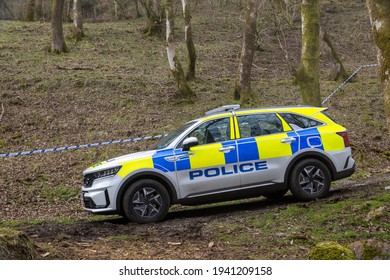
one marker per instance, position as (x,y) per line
(307,75)
(30,10)
(153,17)
(138,15)
(242,90)
(39,10)
(338,73)
(78,20)
(68,11)
(379,11)
(174,64)
(58,42)
(191,52)
(116,9)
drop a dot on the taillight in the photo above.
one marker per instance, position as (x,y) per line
(344,134)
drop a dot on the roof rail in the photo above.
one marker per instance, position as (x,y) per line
(222,109)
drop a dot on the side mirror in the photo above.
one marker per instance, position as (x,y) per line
(190,142)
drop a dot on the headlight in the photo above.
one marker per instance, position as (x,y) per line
(89,178)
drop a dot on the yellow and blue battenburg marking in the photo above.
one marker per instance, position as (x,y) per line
(308,138)
(242,150)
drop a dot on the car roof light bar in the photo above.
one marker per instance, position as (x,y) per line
(222,109)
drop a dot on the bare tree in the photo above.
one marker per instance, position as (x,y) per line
(174,64)
(153,14)
(39,9)
(191,51)
(30,10)
(338,72)
(308,73)
(78,20)
(58,42)
(137,13)
(379,11)
(242,89)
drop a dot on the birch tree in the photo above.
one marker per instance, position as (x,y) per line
(191,51)
(242,89)
(174,64)
(58,42)
(308,73)
(379,11)
(78,20)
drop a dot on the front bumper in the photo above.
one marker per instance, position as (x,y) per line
(100,197)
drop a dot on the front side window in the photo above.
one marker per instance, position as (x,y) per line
(164,142)
(299,122)
(212,131)
(258,125)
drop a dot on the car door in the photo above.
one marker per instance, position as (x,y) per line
(209,167)
(263,149)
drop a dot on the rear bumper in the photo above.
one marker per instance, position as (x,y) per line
(345,173)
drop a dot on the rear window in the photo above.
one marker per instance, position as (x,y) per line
(327,114)
(298,121)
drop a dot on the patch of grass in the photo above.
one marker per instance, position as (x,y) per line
(305,224)
(59,193)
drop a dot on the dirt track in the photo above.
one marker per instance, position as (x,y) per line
(195,233)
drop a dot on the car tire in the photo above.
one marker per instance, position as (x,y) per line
(310,179)
(275,195)
(146,201)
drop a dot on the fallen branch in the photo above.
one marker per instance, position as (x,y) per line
(73,68)
(2,111)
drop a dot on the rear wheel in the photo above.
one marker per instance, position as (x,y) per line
(146,201)
(310,179)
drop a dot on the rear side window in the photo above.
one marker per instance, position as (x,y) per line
(257,125)
(298,121)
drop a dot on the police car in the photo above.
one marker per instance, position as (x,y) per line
(227,154)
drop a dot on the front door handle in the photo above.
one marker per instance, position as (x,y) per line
(179,157)
(227,149)
(288,140)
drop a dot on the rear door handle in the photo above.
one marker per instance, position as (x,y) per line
(288,140)
(227,149)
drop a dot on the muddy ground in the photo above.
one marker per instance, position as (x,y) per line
(218,231)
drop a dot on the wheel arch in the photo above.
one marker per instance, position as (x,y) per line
(311,155)
(145,175)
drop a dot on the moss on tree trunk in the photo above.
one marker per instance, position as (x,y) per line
(58,42)
(191,51)
(78,30)
(30,10)
(307,75)
(379,11)
(153,17)
(339,73)
(242,89)
(185,90)
(137,13)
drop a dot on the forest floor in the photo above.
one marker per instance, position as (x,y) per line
(116,84)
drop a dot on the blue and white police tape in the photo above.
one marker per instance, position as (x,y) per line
(66,148)
(347,80)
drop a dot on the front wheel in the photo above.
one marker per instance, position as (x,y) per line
(310,179)
(146,201)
